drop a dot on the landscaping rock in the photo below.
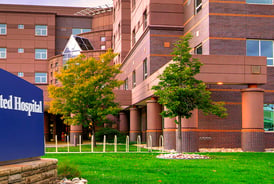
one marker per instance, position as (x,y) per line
(182,156)
(73,181)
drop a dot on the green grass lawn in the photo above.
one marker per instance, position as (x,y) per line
(146,168)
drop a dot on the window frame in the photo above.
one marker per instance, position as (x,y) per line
(145,22)
(272,117)
(21,26)
(134,79)
(270,3)
(4,51)
(39,30)
(126,84)
(196,49)
(20,74)
(21,50)
(145,73)
(41,78)
(103,38)
(41,54)
(103,47)
(3,28)
(198,7)
(260,50)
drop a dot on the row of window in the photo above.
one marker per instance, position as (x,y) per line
(40,78)
(40,30)
(198,3)
(145,75)
(253,48)
(39,53)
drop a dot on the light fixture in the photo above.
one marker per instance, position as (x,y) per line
(220,83)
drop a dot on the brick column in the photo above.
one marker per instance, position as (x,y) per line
(253,119)
(154,121)
(169,133)
(75,131)
(135,124)
(123,125)
(190,142)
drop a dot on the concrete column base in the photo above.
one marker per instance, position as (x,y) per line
(144,136)
(155,136)
(75,131)
(253,140)
(190,141)
(169,139)
(133,135)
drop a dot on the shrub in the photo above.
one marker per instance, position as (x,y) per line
(110,133)
(68,170)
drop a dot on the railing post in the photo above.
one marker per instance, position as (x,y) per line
(104,144)
(68,142)
(80,142)
(161,143)
(149,144)
(115,143)
(56,144)
(127,144)
(138,143)
(92,142)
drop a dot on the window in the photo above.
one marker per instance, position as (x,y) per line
(133,37)
(198,49)
(260,48)
(198,6)
(259,1)
(133,3)
(133,79)
(56,64)
(41,53)
(20,50)
(40,77)
(21,26)
(76,31)
(145,69)
(41,30)
(126,84)
(3,29)
(145,19)
(20,74)
(269,117)
(3,53)
(103,47)
(103,39)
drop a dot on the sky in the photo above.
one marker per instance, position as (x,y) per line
(75,3)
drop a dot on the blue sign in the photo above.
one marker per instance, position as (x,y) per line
(21,118)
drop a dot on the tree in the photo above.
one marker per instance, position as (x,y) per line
(180,92)
(85,95)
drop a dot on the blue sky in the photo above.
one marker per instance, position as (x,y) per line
(76,3)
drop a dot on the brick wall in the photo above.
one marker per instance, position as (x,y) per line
(42,171)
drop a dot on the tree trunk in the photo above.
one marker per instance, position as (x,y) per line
(179,136)
(93,133)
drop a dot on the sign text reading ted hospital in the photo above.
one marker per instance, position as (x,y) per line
(16,103)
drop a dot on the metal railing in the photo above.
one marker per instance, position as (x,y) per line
(66,147)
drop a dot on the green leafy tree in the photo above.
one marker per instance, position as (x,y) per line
(85,95)
(180,92)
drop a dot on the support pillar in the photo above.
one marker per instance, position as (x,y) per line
(123,125)
(75,131)
(154,121)
(190,141)
(135,124)
(253,119)
(169,133)
(144,125)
